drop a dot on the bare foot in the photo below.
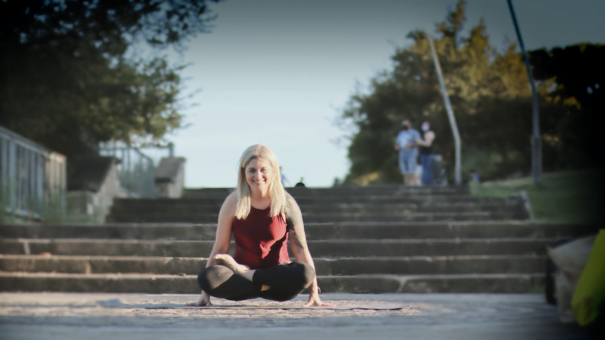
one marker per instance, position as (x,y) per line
(228,261)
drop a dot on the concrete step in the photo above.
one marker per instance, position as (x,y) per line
(353,196)
(462,283)
(409,199)
(370,208)
(314,231)
(367,190)
(403,216)
(389,189)
(192,217)
(318,248)
(331,199)
(450,230)
(481,264)
(175,284)
(337,208)
(148,231)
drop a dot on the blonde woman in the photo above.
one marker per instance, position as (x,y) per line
(261,216)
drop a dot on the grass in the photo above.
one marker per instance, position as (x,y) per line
(339,287)
(563,196)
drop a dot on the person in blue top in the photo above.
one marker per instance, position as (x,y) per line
(408,152)
(475,177)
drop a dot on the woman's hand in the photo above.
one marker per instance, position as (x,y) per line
(203,301)
(314,300)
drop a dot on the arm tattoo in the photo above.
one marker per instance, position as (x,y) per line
(296,239)
(295,223)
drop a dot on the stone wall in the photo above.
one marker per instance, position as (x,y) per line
(95,198)
(170,177)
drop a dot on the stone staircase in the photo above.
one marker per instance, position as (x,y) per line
(374,239)
(372,204)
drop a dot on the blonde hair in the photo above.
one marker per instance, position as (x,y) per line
(276,189)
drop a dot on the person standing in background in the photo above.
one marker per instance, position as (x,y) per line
(300,184)
(475,177)
(408,152)
(426,153)
(284,180)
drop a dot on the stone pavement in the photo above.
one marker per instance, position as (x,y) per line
(430,316)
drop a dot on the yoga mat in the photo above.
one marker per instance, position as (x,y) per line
(116,303)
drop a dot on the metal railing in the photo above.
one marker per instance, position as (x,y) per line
(135,170)
(32,178)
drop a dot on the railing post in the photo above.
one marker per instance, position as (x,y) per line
(12,175)
(450,113)
(31,176)
(536,140)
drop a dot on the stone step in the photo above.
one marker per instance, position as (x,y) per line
(341,195)
(323,248)
(314,231)
(175,284)
(450,230)
(461,283)
(192,217)
(331,199)
(367,190)
(494,264)
(388,187)
(366,208)
(413,199)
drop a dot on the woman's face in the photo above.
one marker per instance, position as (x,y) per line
(258,174)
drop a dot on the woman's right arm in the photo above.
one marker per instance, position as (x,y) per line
(222,242)
(428,139)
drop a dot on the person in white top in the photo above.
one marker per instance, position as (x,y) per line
(408,151)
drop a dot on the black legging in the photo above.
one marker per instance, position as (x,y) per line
(286,280)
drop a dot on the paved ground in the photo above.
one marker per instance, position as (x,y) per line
(430,316)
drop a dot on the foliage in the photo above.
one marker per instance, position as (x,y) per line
(580,79)
(490,94)
(67,81)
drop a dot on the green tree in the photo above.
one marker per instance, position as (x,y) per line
(489,93)
(580,80)
(67,81)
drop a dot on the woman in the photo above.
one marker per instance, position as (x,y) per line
(261,215)
(426,153)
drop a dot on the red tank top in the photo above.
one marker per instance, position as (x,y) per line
(260,240)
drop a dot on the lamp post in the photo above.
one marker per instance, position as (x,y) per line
(536,141)
(450,113)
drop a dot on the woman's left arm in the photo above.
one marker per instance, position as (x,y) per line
(298,244)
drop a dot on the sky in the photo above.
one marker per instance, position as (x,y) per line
(280,72)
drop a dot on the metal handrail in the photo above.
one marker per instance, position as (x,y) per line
(32,178)
(136,170)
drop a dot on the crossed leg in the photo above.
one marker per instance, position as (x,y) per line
(233,281)
(229,262)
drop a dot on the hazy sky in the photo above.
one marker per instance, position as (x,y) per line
(279,72)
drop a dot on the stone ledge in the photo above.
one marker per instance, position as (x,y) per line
(315,231)
(324,266)
(157,284)
(319,248)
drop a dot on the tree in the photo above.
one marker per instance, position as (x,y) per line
(580,80)
(489,93)
(67,81)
